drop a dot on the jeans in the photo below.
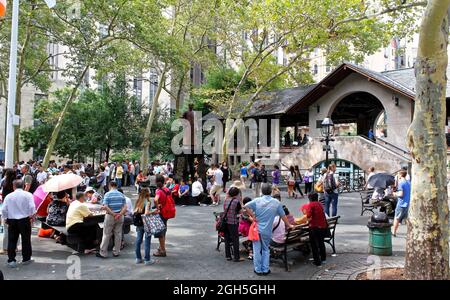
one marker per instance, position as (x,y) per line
(131,179)
(316,236)
(119,182)
(232,239)
(308,187)
(297,187)
(258,186)
(261,254)
(20,228)
(140,234)
(331,199)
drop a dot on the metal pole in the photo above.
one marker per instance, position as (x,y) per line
(11,109)
(327,141)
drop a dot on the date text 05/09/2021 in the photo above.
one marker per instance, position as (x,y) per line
(226,289)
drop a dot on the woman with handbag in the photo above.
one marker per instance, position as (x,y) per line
(232,208)
(161,196)
(291,183)
(318,187)
(142,207)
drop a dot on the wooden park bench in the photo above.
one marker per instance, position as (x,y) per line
(297,238)
(221,237)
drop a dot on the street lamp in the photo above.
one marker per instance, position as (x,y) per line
(327,131)
(11,118)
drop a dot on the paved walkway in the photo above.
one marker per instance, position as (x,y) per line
(191,242)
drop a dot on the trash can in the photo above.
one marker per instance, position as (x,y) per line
(380,238)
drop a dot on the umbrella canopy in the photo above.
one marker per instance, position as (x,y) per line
(62,182)
(39,196)
(381,180)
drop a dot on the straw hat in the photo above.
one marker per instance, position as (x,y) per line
(238,184)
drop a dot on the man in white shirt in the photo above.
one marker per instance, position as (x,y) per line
(197,192)
(217,186)
(18,210)
(42,175)
(107,173)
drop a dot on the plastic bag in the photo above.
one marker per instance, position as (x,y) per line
(253,234)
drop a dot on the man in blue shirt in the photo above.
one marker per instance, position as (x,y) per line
(264,210)
(114,203)
(371,135)
(403,193)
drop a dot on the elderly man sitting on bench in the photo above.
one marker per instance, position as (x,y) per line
(87,233)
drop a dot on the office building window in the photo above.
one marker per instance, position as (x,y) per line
(153,86)
(316,69)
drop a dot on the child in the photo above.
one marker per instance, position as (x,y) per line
(277,195)
(317,228)
(184,193)
(176,191)
(244,226)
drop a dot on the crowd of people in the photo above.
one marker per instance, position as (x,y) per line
(70,208)
(271,219)
(102,186)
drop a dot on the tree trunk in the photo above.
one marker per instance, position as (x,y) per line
(427,255)
(151,118)
(108,151)
(57,129)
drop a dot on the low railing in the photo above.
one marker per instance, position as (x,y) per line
(387,145)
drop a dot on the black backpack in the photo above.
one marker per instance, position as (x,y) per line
(137,219)
(34,182)
(329,185)
(258,176)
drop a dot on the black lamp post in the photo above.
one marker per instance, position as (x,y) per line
(327,131)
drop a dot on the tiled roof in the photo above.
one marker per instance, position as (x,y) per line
(270,103)
(281,101)
(278,102)
(382,78)
(407,78)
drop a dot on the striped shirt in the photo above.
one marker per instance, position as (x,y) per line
(115,200)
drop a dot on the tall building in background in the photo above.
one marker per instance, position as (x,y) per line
(399,54)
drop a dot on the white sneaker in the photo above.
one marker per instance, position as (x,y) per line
(12,264)
(27,262)
(149,262)
(139,261)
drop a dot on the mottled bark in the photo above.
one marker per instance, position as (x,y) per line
(151,119)
(57,129)
(427,253)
